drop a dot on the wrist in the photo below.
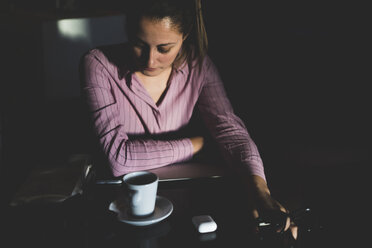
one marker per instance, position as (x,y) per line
(259,185)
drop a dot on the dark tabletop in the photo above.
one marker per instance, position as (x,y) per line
(85,221)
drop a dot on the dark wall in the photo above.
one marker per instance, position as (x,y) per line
(296,73)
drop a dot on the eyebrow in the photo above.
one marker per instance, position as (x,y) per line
(164,44)
(167,44)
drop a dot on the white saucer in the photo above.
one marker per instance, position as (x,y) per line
(163,208)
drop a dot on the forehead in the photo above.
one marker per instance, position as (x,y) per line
(154,30)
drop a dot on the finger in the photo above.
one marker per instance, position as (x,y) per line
(294,231)
(287,224)
(255,214)
(283,209)
(288,220)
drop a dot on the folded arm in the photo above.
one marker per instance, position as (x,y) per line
(125,153)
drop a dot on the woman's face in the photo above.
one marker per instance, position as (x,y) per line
(156,46)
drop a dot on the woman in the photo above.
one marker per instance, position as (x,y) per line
(143,94)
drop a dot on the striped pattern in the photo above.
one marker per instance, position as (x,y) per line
(128,121)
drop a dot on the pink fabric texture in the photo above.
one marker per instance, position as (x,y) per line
(126,118)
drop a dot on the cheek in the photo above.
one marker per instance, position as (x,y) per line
(168,58)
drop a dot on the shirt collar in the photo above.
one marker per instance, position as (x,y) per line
(127,73)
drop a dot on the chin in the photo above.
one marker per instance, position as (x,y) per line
(150,73)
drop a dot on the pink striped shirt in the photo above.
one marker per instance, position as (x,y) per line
(127,120)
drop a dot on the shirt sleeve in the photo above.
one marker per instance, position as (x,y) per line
(227,128)
(124,154)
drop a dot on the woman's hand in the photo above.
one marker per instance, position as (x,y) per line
(197,143)
(263,202)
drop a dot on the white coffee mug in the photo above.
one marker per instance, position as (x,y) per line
(141,188)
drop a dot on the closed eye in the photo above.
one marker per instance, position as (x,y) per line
(163,50)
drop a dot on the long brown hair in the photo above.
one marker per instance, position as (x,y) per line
(185,15)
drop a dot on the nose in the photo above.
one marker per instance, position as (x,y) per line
(151,58)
